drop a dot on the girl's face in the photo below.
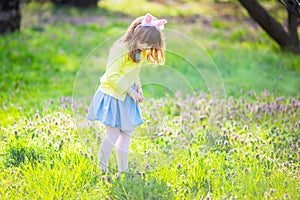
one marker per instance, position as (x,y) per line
(143,46)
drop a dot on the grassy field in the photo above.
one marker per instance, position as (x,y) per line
(191,146)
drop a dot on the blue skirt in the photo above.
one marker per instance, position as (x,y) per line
(115,113)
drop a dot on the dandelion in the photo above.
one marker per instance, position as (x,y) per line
(202,117)
(286,196)
(208,197)
(251,93)
(138,172)
(246,127)
(148,153)
(246,154)
(179,166)
(105,178)
(99,137)
(152,138)
(272,190)
(37,116)
(235,136)
(267,195)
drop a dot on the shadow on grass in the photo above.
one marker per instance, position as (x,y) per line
(137,186)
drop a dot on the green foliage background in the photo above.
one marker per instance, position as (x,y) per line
(251,153)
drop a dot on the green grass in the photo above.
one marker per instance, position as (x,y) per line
(51,53)
(250,149)
(249,154)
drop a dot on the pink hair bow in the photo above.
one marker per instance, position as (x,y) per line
(150,21)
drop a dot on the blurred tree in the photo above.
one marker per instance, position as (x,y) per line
(77,3)
(10,16)
(287,40)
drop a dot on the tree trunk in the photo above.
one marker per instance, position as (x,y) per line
(273,28)
(10,17)
(78,3)
(292,27)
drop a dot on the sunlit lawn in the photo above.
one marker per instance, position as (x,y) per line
(245,146)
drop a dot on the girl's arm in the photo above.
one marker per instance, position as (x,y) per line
(140,93)
(131,92)
(114,76)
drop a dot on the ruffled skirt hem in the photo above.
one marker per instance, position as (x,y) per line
(115,113)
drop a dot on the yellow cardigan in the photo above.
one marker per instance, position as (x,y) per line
(120,74)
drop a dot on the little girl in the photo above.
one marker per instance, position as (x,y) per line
(115,103)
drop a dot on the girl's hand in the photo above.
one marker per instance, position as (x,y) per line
(134,95)
(140,94)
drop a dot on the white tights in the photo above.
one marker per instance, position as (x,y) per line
(122,141)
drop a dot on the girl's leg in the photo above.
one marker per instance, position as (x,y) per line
(107,145)
(122,147)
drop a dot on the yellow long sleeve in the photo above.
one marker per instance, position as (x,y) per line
(120,74)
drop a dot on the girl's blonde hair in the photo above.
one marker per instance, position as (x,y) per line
(144,34)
